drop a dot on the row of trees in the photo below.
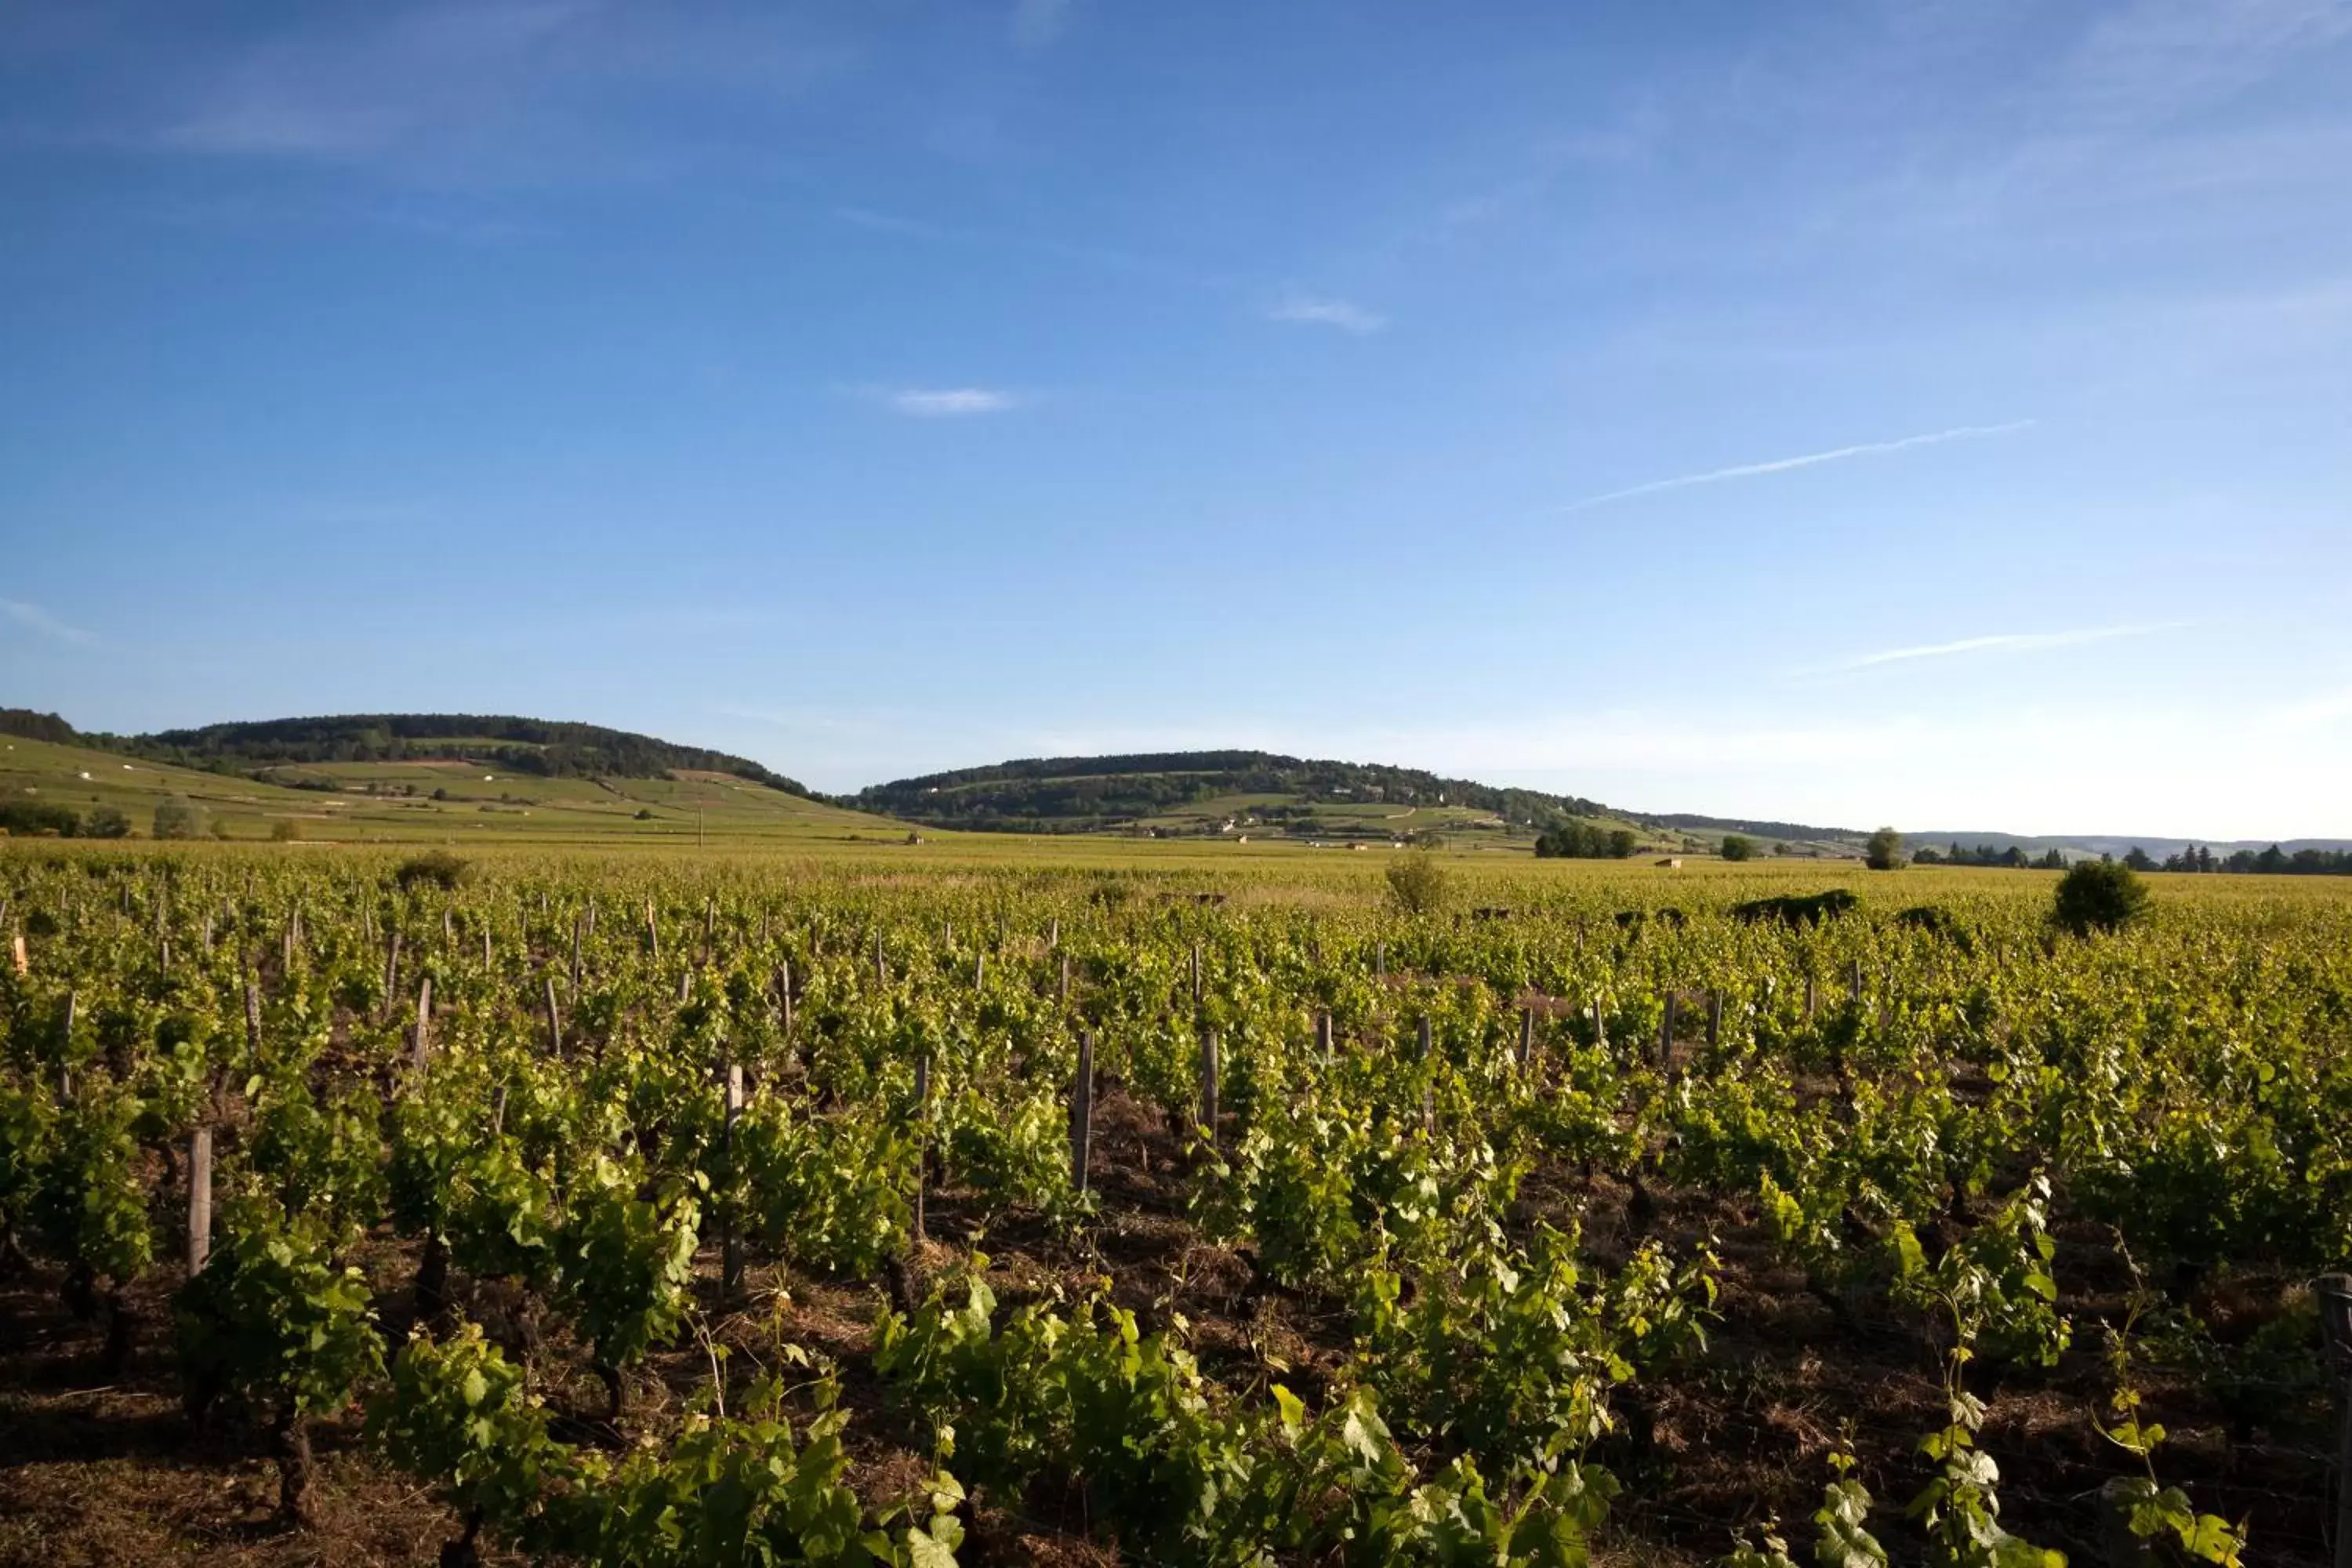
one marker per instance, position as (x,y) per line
(27,819)
(2273,861)
(175,817)
(1582,841)
(2014,857)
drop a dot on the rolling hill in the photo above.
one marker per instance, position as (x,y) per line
(339,780)
(1238,793)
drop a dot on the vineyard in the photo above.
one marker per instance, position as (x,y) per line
(633,1212)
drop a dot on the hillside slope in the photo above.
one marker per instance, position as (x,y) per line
(550,749)
(49,787)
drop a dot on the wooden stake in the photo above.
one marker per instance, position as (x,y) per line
(24,960)
(1323,1037)
(578,922)
(1429,1089)
(1196,974)
(200,1199)
(1209,1084)
(979,972)
(1599,1026)
(554,1021)
(1714,1018)
(1082,1110)
(1812,997)
(922,1136)
(1527,1038)
(392,970)
(1064,997)
(252,1018)
(421,1046)
(652,932)
(1053,933)
(1666,1034)
(731,1268)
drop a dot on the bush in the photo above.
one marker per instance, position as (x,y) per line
(440,868)
(1735,847)
(1885,850)
(286,830)
(177,817)
(28,818)
(107,823)
(1419,884)
(2099,895)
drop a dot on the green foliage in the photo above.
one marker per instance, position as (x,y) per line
(89,1205)
(435,868)
(1418,884)
(271,1322)
(177,817)
(1737,847)
(2099,896)
(727,1491)
(626,1262)
(1884,852)
(1584,841)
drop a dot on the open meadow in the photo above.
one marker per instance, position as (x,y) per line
(1008,1200)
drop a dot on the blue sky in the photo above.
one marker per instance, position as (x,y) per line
(1930,412)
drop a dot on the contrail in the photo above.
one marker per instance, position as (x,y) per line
(1782,465)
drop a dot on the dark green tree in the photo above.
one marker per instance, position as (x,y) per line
(2099,895)
(1737,848)
(1885,850)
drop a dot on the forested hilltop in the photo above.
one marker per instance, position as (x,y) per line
(548,749)
(1078,794)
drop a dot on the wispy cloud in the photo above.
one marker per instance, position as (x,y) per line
(945,402)
(1320,310)
(1999,642)
(34,618)
(1810,460)
(1037,23)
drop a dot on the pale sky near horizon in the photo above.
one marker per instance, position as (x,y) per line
(1928,412)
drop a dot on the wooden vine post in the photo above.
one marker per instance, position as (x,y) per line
(2335,1295)
(1209,1084)
(1715,1019)
(1812,997)
(1082,1110)
(1527,1038)
(731,1268)
(1196,974)
(200,1199)
(554,1021)
(578,923)
(392,972)
(1429,1084)
(922,1136)
(420,1044)
(1666,1033)
(1064,998)
(1323,1037)
(24,960)
(1599,1026)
